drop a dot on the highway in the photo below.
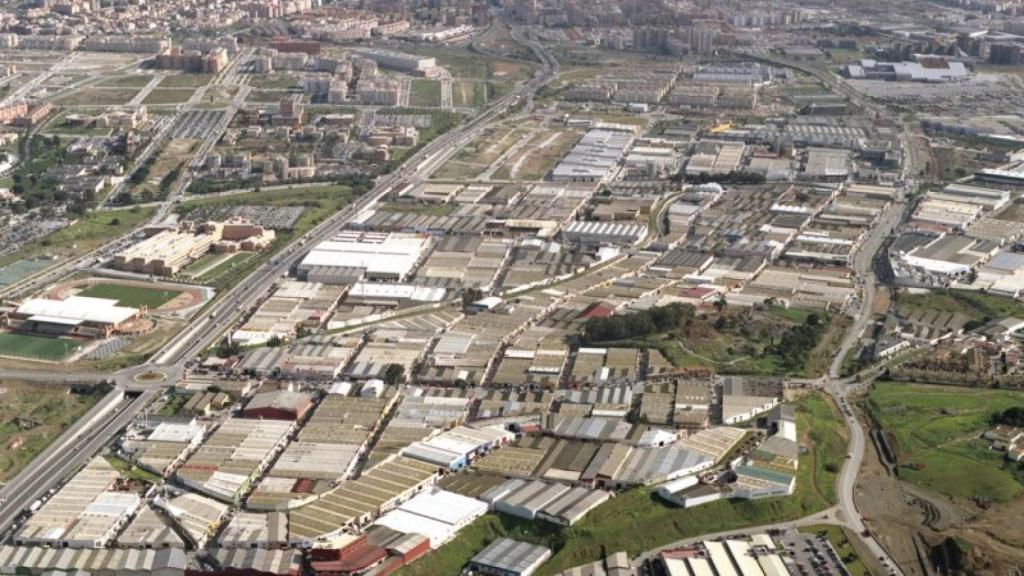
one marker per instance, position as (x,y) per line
(69,453)
(87,436)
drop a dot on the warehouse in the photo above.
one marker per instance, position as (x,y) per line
(754,482)
(353,256)
(253,530)
(164,446)
(233,456)
(437,515)
(507,557)
(73,316)
(742,400)
(401,61)
(255,561)
(278,405)
(572,506)
(603,233)
(595,428)
(84,513)
(688,492)
(197,517)
(292,305)
(827,164)
(149,531)
(595,158)
(29,560)
(524,498)
(320,360)
(653,465)
(929,69)
(356,502)
(454,449)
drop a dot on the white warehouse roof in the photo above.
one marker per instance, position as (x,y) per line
(392,254)
(76,310)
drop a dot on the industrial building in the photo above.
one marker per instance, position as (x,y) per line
(353,256)
(73,316)
(402,62)
(437,515)
(929,69)
(507,557)
(87,512)
(596,157)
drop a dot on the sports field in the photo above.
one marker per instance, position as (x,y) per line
(35,347)
(134,296)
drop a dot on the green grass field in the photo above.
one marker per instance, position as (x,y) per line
(425,93)
(169,96)
(978,306)
(127,81)
(185,81)
(227,265)
(938,428)
(134,296)
(36,347)
(636,520)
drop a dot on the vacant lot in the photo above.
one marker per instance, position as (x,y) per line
(636,520)
(978,306)
(186,81)
(474,159)
(134,296)
(32,416)
(172,96)
(127,81)
(935,431)
(36,347)
(469,93)
(539,156)
(98,97)
(425,93)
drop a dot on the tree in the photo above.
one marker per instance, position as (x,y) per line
(720,304)
(394,374)
(1013,416)
(470,295)
(115,222)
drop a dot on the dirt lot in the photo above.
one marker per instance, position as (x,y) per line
(909,522)
(31,416)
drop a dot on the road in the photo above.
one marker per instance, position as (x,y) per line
(87,436)
(69,453)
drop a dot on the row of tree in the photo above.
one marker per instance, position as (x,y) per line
(657,319)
